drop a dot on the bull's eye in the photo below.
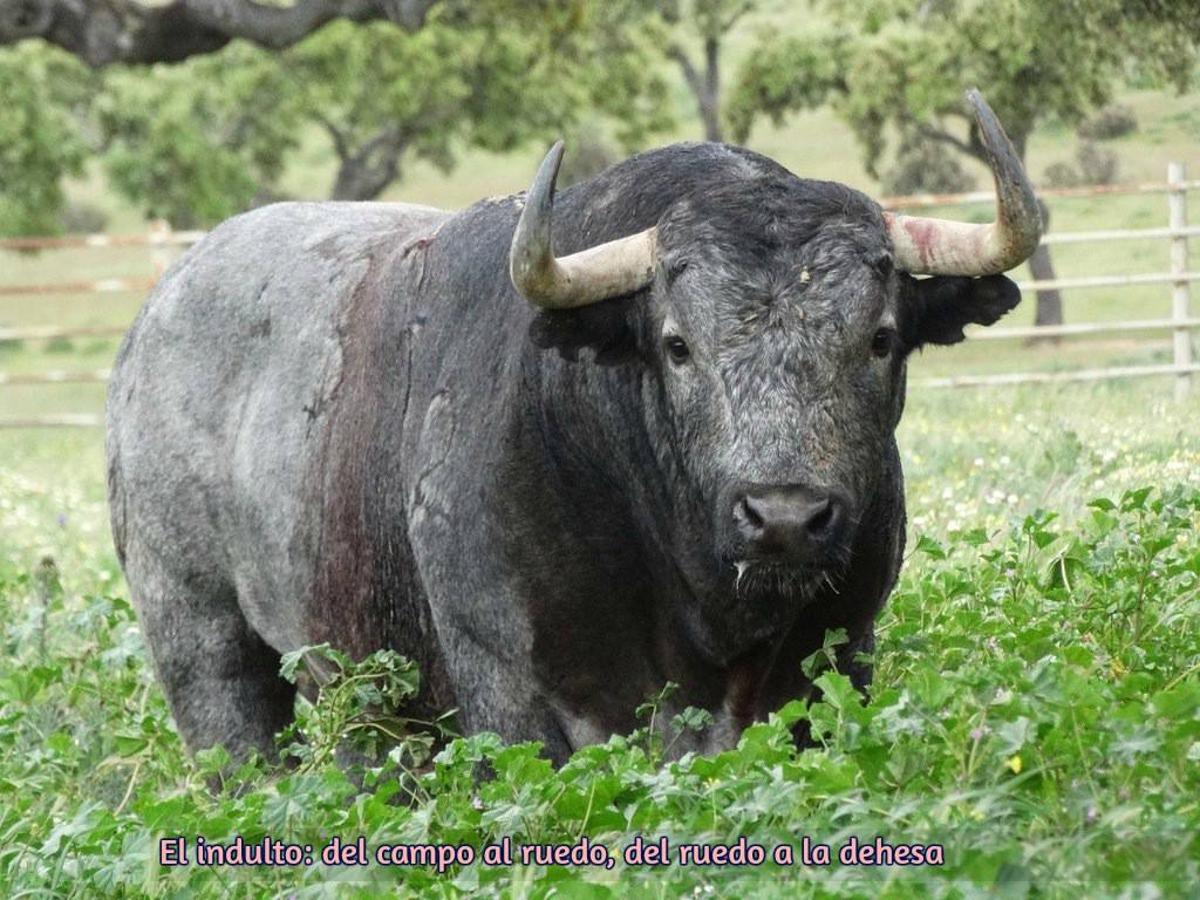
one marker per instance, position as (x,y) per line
(882,342)
(677,349)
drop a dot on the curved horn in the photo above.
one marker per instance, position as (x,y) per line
(608,270)
(941,247)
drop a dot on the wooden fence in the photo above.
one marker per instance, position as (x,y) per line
(1180,321)
(164,242)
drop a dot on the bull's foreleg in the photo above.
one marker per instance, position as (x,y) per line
(221,680)
(501,695)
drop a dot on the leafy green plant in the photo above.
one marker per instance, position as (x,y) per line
(1035,712)
(40,144)
(358,708)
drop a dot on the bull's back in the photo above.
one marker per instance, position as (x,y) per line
(221,398)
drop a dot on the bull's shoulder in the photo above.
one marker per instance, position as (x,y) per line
(293,257)
(283,231)
(262,300)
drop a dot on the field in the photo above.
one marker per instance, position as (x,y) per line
(1036,710)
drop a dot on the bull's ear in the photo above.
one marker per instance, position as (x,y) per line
(602,327)
(935,310)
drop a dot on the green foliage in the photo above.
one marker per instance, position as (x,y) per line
(709,19)
(380,94)
(590,153)
(905,64)
(925,166)
(193,143)
(536,72)
(785,74)
(489,76)
(197,142)
(1097,165)
(1113,121)
(83,218)
(201,140)
(1036,711)
(696,35)
(40,142)
(357,710)
(1094,164)
(1061,175)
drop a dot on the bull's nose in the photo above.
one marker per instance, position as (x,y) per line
(791,523)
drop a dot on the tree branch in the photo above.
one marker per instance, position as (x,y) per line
(690,73)
(340,146)
(366,173)
(974,141)
(972,148)
(705,86)
(103,32)
(728,24)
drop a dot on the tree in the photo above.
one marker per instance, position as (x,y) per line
(39,141)
(899,66)
(484,77)
(197,141)
(710,21)
(170,31)
(138,31)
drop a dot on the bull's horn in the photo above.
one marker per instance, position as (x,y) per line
(608,270)
(940,247)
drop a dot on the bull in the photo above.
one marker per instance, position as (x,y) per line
(558,450)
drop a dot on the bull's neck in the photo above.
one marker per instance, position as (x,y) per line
(586,430)
(597,473)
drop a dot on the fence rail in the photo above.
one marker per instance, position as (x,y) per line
(1079,328)
(911,201)
(1119,234)
(163,241)
(53,332)
(1051,377)
(100,286)
(55,377)
(150,239)
(60,420)
(1109,281)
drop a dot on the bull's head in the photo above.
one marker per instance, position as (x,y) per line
(775,316)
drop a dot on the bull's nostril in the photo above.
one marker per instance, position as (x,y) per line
(748,514)
(821,520)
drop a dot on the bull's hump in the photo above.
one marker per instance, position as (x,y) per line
(303,224)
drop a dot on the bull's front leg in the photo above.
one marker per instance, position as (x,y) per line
(498,693)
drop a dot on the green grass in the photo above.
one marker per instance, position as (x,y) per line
(1036,709)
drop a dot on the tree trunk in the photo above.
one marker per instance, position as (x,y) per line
(1049,302)
(710,95)
(367,172)
(705,86)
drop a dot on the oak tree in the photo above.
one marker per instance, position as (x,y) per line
(894,69)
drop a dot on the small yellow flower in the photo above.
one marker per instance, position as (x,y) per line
(1014,763)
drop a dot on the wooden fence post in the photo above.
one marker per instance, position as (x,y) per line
(1177,206)
(160,252)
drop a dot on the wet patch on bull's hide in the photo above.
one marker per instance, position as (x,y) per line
(365,596)
(427,500)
